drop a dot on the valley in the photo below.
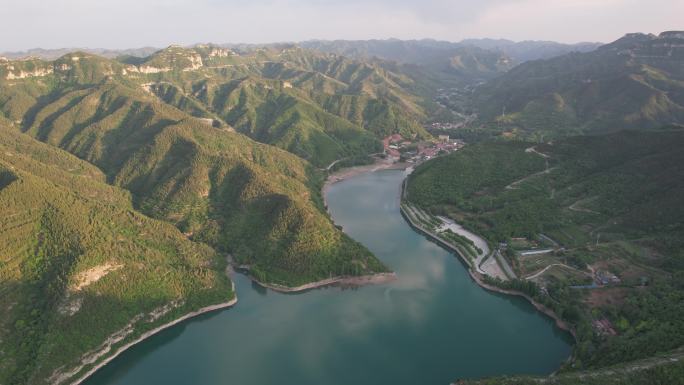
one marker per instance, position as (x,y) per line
(404,211)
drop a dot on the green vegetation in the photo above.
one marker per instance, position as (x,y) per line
(317,106)
(256,202)
(465,245)
(78,264)
(613,202)
(87,147)
(634,82)
(126,184)
(665,369)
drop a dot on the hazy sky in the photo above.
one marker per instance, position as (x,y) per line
(135,23)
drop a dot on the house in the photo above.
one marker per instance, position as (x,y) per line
(603,327)
(443,138)
(606,277)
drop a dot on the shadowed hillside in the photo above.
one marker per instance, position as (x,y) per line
(634,82)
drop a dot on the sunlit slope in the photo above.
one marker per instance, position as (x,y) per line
(260,203)
(78,264)
(318,106)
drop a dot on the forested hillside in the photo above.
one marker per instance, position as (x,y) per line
(320,107)
(78,266)
(91,148)
(600,203)
(255,201)
(634,82)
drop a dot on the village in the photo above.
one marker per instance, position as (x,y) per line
(400,149)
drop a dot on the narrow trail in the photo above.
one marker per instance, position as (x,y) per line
(547,170)
(535,275)
(574,206)
(334,163)
(513,185)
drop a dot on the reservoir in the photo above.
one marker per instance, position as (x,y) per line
(433,325)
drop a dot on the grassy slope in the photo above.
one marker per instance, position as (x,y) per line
(629,186)
(257,202)
(320,107)
(59,220)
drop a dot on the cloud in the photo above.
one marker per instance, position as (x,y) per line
(134,23)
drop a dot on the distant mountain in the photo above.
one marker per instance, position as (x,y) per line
(321,107)
(463,62)
(481,57)
(527,50)
(52,54)
(634,82)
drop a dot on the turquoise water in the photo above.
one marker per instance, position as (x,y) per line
(432,326)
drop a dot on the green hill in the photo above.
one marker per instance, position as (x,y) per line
(634,82)
(92,149)
(79,266)
(318,106)
(463,61)
(321,107)
(259,203)
(609,202)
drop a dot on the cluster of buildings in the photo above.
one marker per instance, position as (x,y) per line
(446,125)
(603,327)
(393,143)
(404,150)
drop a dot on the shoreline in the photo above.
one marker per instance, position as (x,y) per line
(343,281)
(150,333)
(349,172)
(541,308)
(475,276)
(343,174)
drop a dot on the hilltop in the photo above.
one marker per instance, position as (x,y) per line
(634,82)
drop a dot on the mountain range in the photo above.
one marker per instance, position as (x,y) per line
(634,82)
(157,168)
(91,154)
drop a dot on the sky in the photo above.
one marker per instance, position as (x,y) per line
(119,24)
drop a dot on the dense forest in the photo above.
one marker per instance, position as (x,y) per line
(79,264)
(254,201)
(634,82)
(122,201)
(612,201)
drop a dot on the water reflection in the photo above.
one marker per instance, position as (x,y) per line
(430,326)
